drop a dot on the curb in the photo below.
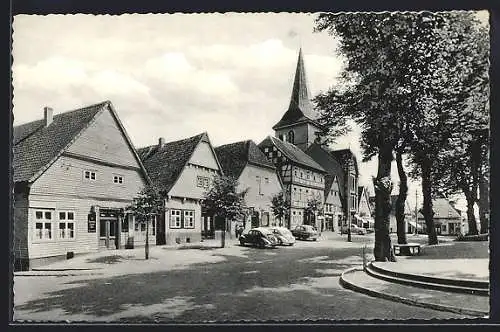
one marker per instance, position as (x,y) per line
(53,274)
(348,285)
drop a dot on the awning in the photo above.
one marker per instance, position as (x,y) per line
(419,226)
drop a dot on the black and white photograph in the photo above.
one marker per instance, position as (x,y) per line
(251,167)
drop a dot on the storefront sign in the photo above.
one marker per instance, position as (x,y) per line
(92,223)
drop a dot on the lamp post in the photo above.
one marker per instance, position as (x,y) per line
(416,212)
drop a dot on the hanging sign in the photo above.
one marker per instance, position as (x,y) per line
(91,223)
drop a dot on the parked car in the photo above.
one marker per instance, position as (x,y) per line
(305,232)
(355,229)
(284,236)
(260,237)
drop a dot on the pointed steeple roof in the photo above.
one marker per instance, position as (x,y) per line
(300,108)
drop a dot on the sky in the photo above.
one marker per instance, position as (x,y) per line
(176,75)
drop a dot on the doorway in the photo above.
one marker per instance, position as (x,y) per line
(108,233)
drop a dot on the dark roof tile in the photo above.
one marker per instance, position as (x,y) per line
(164,165)
(35,145)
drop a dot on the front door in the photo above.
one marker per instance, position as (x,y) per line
(108,232)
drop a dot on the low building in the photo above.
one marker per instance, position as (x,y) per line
(333,206)
(447,218)
(74,173)
(245,162)
(183,171)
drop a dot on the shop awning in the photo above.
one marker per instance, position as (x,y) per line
(419,226)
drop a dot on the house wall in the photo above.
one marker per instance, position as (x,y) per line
(20,230)
(182,235)
(260,190)
(187,193)
(105,141)
(101,149)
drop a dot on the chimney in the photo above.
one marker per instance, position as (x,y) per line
(48,115)
(161,142)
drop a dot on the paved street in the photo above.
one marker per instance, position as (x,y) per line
(296,283)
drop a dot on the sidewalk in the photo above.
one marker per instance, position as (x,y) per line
(469,305)
(444,261)
(133,260)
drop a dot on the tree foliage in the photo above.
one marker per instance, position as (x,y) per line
(409,80)
(145,206)
(280,206)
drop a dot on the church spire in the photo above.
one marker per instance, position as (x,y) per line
(300,92)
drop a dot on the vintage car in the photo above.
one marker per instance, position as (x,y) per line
(260,237)
(284,236)
(305,232)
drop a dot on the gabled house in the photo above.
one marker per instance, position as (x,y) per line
(447,218)
(303,179)
(74,173)
(333,206)
(364,208)
(245,162)
(183,171)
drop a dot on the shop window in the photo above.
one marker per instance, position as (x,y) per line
(102,228)
(153,225)
(125,224)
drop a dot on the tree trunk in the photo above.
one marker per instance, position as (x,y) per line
(383,187)
(401,200)
(471,218)
(223,237)
(484,191)
(146,247)
(427,203)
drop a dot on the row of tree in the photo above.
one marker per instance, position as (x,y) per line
(417,84)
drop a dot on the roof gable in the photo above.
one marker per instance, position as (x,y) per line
(293,153)
(165,164)
(235,156)
(37,146)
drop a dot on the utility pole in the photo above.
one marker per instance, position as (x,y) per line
(348,197)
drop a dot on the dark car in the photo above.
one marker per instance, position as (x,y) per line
(305,232)
(260,237)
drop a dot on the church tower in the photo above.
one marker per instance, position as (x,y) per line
(298,125)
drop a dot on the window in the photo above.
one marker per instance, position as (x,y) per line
(125,223)
(266,150)
(43,225)
(66,225)
(89,175)
(175,218)
(266,180)
(443,228)
(301,174)
(153,225)
(117,179)
(102,228)
(331,192)
(182,219)
(202,181)
(188,219)
(279,153)
(290,137)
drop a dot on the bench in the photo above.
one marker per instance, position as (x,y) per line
(409,249)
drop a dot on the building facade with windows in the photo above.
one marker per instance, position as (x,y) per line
(245,162)
(447,218)
(300,128)
(183,171)
(303,179)
(74,173)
